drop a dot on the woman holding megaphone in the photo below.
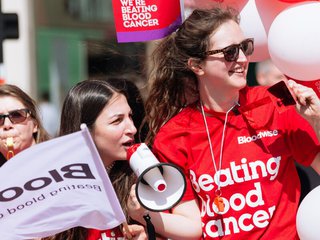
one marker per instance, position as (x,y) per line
(235,143)
(102,105)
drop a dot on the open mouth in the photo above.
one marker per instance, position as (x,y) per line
(128,143)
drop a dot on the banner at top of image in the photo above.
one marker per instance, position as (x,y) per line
(145,20)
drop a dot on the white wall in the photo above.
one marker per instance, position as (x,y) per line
(19,54)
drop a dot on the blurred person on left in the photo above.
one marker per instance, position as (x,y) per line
(20,124)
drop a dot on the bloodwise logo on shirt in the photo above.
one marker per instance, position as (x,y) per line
(263,134)
(144,20)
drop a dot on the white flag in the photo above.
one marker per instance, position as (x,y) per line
(54,186)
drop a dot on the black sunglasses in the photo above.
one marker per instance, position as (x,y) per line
(15,116)
(231,53)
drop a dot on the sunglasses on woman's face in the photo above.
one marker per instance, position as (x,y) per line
(231,53)
(15,116)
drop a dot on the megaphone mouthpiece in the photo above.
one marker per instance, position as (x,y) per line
(160,186)
(154,178)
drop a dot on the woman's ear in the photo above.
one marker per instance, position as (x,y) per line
(195,67)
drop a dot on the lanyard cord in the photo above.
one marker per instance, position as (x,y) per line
(218,191)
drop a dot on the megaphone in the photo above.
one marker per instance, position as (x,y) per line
(160,186)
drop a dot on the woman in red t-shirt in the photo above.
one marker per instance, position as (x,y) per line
(234,143)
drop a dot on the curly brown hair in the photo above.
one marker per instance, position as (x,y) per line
(174,84)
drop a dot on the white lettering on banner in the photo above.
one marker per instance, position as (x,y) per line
(126,2)
(252,199)
(141,23)
(263,134)
(139,9)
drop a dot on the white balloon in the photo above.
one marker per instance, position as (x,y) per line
(294,41)
(252,26)
(255,20)
(308,216)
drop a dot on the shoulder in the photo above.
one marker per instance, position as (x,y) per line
(277,93)
(185,120)
(176,133)
(263,107)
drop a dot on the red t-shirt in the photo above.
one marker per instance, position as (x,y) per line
(259,182)
(112,234)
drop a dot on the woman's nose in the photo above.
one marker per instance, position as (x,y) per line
(131,128)
(242,57)
(7,123)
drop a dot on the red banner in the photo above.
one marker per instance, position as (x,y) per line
(144,20)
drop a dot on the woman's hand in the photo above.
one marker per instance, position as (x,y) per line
(135,210)
(308,103)
(3,147)
(6,146)
(134,232)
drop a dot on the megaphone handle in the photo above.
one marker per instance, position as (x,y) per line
(150,228)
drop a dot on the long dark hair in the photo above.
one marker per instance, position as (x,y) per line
(174,85)
(16,92)
(83,104)
(135,102)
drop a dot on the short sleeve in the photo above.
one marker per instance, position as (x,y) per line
(170,146)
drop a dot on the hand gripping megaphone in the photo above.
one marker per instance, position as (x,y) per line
(160,186)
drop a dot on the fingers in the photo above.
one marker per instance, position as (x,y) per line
(3,148)
(304,95)
(308,103)
(136,232)
(126,231)
(135,210)
(6,144)
(9,142)
(132,200)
